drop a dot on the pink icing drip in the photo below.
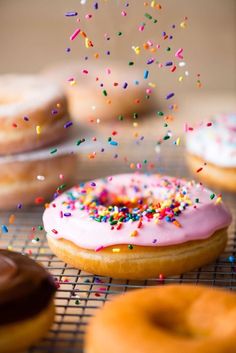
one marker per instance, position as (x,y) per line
(197,222)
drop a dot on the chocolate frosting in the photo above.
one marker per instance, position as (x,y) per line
(26,288)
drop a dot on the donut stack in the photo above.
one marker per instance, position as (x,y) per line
(33,116)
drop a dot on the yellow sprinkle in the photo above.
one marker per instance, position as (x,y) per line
(178,141)
(136,50)
(73,82)
(10,248)
(153,3)
(183,24)
(218,200)
(38,130)
(151,84)
(134,233)
(135,124)
(115,250)
(180,79)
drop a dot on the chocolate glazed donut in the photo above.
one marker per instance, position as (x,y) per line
(25,287)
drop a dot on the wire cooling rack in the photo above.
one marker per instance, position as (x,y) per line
(80,294)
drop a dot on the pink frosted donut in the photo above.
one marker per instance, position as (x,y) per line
(136,226)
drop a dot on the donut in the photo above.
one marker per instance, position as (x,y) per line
(212,147)
(26,302)
(102,94)
(137,226)
(33,177)
(165,319)
(33,112)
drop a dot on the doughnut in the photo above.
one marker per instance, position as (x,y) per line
(26,302)
(33,112)
(27,178)
(137,226)
(101,94)
(165,319)
(212,145)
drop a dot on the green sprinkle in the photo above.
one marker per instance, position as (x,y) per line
(53,150)
(109,139)
(112,223)
(165,125)
(154,20)
(40,227)
(212,196)
(197,200)
(168,49)
(131,63)
(120,117)
(135,115)
(77,302)
(80,141)
(148,16)
(130,247)
(104,92)
(145,161)
(119,33)
(160,113)
(62,186)
(166,137)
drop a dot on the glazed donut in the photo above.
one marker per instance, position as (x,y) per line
(166,319)
(104,94)
(26,302)
(137,226)
(33,112)
(26,178)
(214,143)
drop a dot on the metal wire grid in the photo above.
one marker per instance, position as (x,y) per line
(80,294)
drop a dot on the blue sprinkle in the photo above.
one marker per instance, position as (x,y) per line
(231,258)
(169,63)
(4,229)
(113,143)
(145,75)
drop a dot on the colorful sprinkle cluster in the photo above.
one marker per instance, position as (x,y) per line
(105,206)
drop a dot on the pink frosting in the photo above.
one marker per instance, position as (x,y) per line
(201,213)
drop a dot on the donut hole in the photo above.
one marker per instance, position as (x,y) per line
(176,325)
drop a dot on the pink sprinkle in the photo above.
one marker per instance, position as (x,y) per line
(139,165)
(85,72)
(108,71)
(74,35)
(141,28)
(178,54)
(209,124)
(88,16)
(123,13)
(185,127)
(54,231)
